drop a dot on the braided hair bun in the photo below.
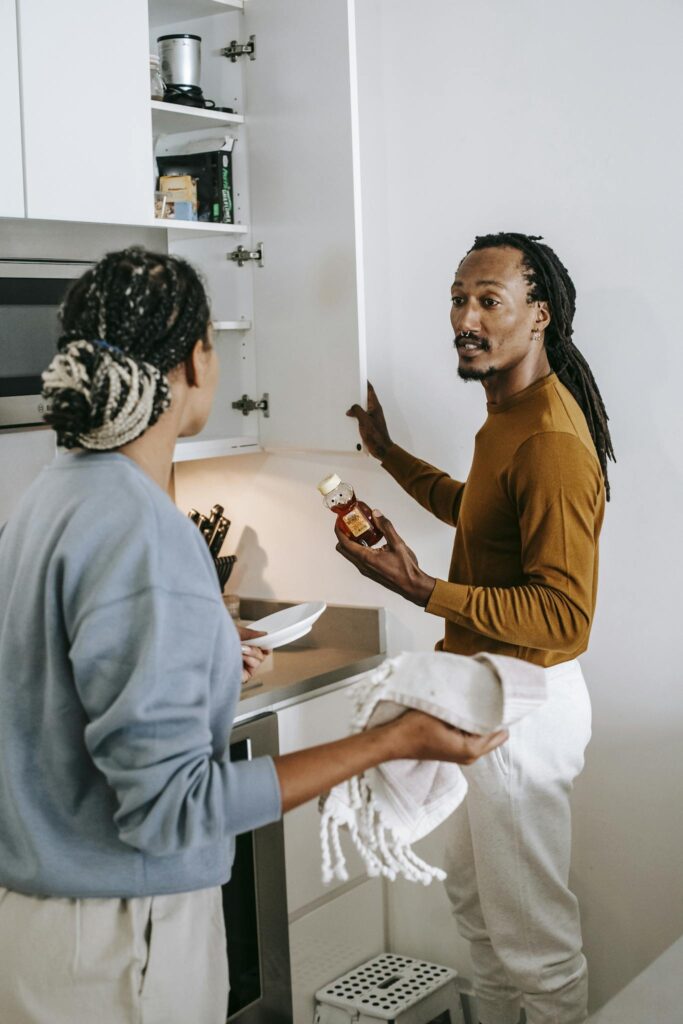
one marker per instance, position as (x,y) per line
(100,398)
(126,322)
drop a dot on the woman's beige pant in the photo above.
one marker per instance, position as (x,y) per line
(149,960)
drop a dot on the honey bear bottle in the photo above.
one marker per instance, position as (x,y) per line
(354,516)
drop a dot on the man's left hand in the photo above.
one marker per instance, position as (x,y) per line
(394,565)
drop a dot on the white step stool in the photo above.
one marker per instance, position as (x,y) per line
(390,988)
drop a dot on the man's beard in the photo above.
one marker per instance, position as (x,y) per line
(465,373)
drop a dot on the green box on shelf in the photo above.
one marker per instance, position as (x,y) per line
(213,171)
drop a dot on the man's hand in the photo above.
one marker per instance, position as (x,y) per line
(394,566)
(251,656)
(372,425)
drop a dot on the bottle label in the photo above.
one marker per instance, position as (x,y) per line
(356,522)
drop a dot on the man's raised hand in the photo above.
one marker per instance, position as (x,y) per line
(372,425)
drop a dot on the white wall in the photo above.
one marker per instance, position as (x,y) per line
(561,120)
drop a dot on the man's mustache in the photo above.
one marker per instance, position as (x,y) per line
(464,337)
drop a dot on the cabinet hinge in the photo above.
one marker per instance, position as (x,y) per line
(247,405)
(235,49)
(240,255)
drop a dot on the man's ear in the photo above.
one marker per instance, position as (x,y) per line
(196,364)
(543,316)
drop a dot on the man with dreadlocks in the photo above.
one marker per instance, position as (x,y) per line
(522,582)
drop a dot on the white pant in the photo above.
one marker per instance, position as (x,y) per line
(149,960)
(508,863)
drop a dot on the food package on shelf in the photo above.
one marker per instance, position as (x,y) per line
(181,196)
(212,171)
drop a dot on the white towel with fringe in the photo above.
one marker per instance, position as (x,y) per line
(390,807)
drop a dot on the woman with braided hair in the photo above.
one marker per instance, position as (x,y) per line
(522,582)
(120,674)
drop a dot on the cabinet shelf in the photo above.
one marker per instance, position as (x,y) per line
(231,325)
(214,447)
(168,118)
(163,12)
(200,229)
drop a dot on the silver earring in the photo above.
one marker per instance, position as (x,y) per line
(535,335)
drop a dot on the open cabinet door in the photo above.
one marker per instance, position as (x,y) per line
(12,193)
(304,178)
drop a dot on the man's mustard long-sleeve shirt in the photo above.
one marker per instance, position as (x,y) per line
(524,572)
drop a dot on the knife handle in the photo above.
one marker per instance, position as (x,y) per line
(219,536)
(215,514)
(214,519)
(194,515)
(205,529)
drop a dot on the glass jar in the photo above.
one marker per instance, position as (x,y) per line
(156,82)
(232,603)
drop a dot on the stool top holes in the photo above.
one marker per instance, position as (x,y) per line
(386,986)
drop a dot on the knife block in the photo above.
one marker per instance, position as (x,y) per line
(224,568)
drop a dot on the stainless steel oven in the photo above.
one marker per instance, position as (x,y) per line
(255,904)
(31,292)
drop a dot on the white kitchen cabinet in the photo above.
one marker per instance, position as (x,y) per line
(334,927)
(85,92)
(12,191)
(297,195)
(320,720)
(290,329)
(333,939)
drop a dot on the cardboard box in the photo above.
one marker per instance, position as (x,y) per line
(180,189)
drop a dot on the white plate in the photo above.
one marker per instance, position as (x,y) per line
(283,627)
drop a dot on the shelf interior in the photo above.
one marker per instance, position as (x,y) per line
(168,118)
(163,12)
(214,447)
(231,325)
(200,229)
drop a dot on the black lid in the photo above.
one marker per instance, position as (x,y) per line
(179,35)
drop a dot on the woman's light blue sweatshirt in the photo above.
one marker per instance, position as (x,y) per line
(120,673)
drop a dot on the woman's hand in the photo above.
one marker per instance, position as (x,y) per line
(421,737)
(415,736)
(251,656)
(372,425)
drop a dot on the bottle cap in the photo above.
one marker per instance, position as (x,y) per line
(329,484)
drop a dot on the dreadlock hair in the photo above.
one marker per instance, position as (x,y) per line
(549,281)
(126,322)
